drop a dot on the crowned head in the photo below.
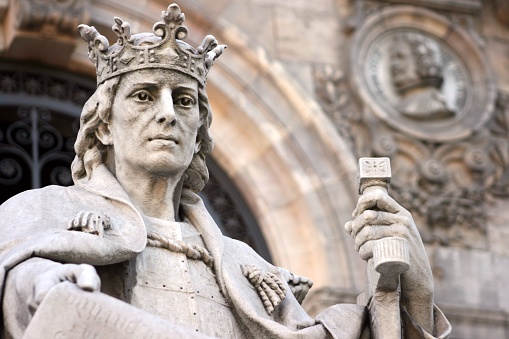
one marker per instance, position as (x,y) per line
(162,50)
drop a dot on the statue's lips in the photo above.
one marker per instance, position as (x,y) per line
(165,139)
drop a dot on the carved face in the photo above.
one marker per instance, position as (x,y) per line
(402,66)
(154,122)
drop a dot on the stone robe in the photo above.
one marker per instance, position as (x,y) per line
(34,232)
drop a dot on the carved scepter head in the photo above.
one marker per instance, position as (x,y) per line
(374,172)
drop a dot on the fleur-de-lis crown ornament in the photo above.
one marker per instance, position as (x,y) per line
(164,48)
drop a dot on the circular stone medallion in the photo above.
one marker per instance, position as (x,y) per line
(421,75)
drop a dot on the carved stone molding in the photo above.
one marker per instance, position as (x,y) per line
(52,90)
(422,75)
(446,185)
(43,30)
(459,11)
(469,6)
(50,17)
(334,95)
(450,156)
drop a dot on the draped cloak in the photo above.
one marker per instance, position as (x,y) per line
(34,224)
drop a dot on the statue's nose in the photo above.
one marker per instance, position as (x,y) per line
(166,113)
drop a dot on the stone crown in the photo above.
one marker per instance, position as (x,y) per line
(164,49)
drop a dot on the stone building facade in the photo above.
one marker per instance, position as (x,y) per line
(304,89)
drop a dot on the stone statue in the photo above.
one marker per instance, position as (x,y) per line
(417,77)
(133,230)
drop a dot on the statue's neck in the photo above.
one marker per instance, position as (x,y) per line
(154,196)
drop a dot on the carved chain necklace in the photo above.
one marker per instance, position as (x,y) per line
(191,251)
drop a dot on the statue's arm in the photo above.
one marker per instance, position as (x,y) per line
(378,216)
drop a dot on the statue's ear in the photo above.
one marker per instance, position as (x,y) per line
(103,133)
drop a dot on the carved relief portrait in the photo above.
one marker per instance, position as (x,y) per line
(417,76)
(421,76)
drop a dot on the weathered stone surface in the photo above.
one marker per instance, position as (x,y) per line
(36,30)
(296,28)
(454,5)
(69,312)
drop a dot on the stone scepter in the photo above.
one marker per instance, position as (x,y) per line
(390,259)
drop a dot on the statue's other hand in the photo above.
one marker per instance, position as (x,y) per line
(299,286)
(379,216)
(84,276)
(90,222)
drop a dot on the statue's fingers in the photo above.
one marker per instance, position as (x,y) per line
(297,292)
(366,250)
(87,278)
(364,203)
(374,218)
(371,217)
(377,232)
(76,221)
(78,217)
(369,233)
(71,225)
(376,199)
(106,222)
(84,219)
(362,220)
(94,226)
(348,227)
(387,204)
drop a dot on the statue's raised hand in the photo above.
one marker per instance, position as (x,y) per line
(379,216)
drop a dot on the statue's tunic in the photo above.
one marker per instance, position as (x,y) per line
(165,281)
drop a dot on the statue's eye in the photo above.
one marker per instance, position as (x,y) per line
(143,96)
(184,101)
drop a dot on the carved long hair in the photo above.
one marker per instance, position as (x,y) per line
(90,152)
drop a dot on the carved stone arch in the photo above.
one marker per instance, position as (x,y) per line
(294,170)
(271,158)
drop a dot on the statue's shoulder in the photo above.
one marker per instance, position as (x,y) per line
(235,247)
(39,195)
(46,195)
(33,210)
(48,203)
(238,253)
